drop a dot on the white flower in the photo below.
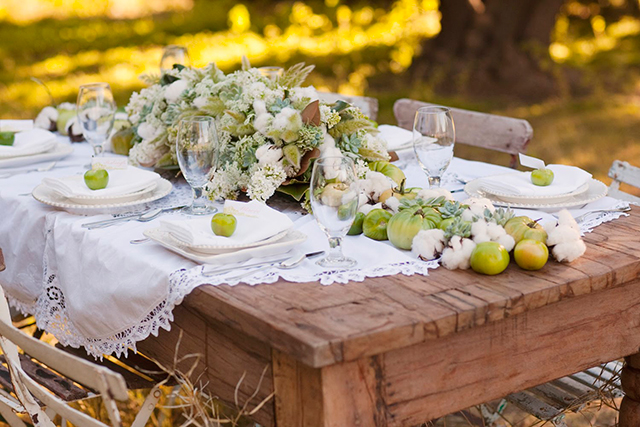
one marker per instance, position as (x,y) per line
(46,117)
(361,168)
(328,116)
(148,132)
(288,122)
(428,244)
(174,90)
(264,181)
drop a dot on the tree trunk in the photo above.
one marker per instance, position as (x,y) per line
(492,47)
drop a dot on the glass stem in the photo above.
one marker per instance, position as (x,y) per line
(335,248)
(434,181)
(98,149)
(199,201)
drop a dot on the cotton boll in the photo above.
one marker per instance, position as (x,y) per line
(47,118)
(174,90)
(477,205)
(268,154)
(569,251)
(365,209)
(495,231)
(393,203)
(479,228)
(259,107)
(467,215)
(458,253)
(562,234)
(200,102)
(428,193)
(428,244)
(148,132)
(507,241)
(565,218)
(363,199)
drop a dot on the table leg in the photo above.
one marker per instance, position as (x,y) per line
(630,407)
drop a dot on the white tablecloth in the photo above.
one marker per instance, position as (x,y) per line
(95,289)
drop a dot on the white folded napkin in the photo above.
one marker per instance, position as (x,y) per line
(396,137)
(29,142)
(255,222)
(15,125)
(566,179)
(121,182)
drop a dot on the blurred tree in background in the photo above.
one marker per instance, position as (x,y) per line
(568,66)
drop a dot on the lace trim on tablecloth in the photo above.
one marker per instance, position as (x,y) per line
(51,313)
(594,220)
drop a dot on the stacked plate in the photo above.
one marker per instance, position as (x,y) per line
(33,146)
(128,187)
(571,187)
(260,232)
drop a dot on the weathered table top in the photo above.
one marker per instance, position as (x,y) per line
(309,331)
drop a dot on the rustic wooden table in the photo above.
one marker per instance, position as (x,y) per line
(398,351)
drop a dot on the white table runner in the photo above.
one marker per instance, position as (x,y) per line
(74,282)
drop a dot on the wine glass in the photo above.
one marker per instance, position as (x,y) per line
(334,201)
(96,112)
(197,147)
(174,54)
(434,136)
(272,73)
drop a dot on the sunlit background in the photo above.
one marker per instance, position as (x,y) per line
(359,48)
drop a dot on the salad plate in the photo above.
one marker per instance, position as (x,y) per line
(46,195)
(595,190)
(285,242)
(119,198)
(220,249)
(523,198)
(59,151)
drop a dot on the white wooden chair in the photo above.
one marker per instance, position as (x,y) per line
(623,172)
(369,106)
(489,131)
(26,393)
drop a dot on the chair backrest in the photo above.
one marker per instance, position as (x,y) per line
(489,131)
(109,384)
(623,172)
(369,106)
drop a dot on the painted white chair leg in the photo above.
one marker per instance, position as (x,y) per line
(147,407)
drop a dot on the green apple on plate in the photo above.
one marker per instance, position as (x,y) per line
(96,179)
(223,224)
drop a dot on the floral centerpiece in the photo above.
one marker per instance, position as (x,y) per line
(269,131)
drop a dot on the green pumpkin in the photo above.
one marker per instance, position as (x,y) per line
(404,225)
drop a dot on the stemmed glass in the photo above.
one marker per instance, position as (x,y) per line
(272,73)
(96,111)
(334,201)
(434,136)
(174,54)
(197,148)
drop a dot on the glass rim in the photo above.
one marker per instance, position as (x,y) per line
(94,85)
(433,109)
(197,119)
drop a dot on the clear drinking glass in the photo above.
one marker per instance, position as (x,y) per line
(96,112)
(434,136)
(271,72)
(174,54)
(197,148)
(334,201)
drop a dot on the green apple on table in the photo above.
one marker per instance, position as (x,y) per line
(523,227)
(531,254)
(489,258)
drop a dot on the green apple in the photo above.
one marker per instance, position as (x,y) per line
(542,177)
(223,224)
(7,138)
(531,254)
(63,117)
(96,179)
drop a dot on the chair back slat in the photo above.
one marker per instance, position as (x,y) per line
(490,131)
(369,106)
(623,172)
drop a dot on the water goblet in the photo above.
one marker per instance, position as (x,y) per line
(434,136)
(272,73)
(174,54)
(96,112)
(197,148)
(334,201)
